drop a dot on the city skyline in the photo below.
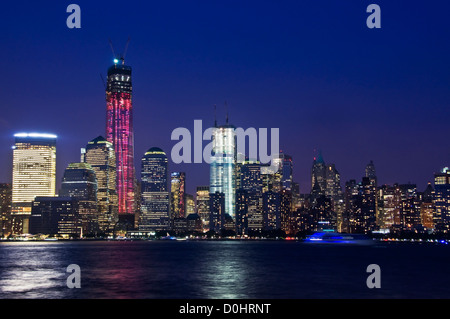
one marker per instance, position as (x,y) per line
(367,91)
(204,155)
(192,189)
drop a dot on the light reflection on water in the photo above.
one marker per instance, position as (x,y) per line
(29,269)
(221,270)
(224,275)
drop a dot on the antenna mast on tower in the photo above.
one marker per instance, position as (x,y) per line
(226,109)
(122,56)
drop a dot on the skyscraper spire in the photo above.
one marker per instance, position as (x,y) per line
(119,57)
(226,109)
(215,115)
(320,157)
(318,175)
(370,172)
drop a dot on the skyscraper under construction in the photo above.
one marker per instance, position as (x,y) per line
(119,132)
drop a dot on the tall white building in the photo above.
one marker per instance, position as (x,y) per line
(222,168)
(34,174)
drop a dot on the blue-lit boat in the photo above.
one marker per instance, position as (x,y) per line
(339,238)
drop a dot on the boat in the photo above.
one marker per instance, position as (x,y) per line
(339,238)
(168,237)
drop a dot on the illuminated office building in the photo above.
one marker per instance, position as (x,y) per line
(369,204)
(178,195)
(194,223)
(79,181)
(100,155)
(154,192)
(202,205)
(442,199)
(286,211)
(296,198)
(34,174)
(334,192)
(5,209)
(222,167)
(190,204)
(271,210)
(333,187)
(353,220)
(270,181)
(250,177)
(250,209)
(371,173)
(285,169)
(318,176)
(217,211)
(409,213)
(240,159)
(387,206)
(241,211)
(427,208)
(119,132)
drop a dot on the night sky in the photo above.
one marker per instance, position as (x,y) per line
(311,68)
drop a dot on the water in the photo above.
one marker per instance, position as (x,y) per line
(222,269)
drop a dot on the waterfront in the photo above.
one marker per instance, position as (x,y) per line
(222,270)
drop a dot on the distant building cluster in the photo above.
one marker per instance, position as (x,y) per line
(101,197)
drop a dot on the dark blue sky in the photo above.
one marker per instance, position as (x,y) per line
(311,68)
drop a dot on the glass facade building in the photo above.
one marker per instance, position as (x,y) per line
(154,192)
(100,155)
(34,174)
(80,182)
(442,199)
(217,208)
(285,169)
(56,216)
(222,167)
(202,205)
(251,185)
(318,176)
(119,132)
(178,195)
(271,209)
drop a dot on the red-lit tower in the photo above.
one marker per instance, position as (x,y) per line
(119,131)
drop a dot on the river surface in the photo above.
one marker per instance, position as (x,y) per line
(222,270)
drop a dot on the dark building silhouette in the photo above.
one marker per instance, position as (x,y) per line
(5,209)
(217,211)
(55,216)
(80,182)
(371,173)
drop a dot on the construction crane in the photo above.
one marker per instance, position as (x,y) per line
(121,57)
